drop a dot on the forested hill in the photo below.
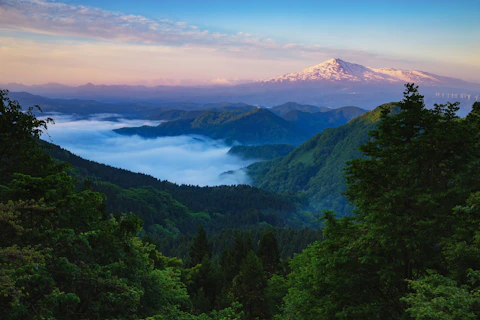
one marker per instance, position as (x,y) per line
(258,126)
(313,123)
(172,213)
(293,106)
(315,168)
(221,199)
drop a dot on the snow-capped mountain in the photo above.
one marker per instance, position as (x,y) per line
(333,83)
(339,71)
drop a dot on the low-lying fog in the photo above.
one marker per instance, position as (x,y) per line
(194,160)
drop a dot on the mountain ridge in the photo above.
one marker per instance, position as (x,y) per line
(314,169)
(338,70)
(331,84)
(259,126)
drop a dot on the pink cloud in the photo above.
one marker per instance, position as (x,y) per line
(56,18)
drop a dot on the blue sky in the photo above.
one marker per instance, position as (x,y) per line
(192,41)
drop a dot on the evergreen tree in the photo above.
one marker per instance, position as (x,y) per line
(249,286)
(411,179)
(242,246)
(203,285)
(200,247)
(20,150)
(268,252)
(419,165)
(61,257)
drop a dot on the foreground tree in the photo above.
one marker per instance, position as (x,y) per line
(419,165)
(20,150)
(61,256)
(454,292)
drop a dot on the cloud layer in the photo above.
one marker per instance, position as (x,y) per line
(81,44)
(62,19)
(183,159)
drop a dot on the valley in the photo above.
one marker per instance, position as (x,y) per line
(278,200)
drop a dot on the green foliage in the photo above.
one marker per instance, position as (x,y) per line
(249,286)
(276,290)
(437,297)
(61,256)
(329,281)
(200,248)
(456,293)
(204,285)
(419,165)
(19,135)
(412,178)
(268,252)
(84,263)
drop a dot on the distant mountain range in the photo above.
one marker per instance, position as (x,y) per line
(293,106)
(332,84)
(138,110)
(256,126)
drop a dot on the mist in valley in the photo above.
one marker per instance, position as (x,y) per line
(186,159)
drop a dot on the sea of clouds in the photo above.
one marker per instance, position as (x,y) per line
(193,160)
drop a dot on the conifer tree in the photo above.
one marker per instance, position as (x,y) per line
(268,252)
(200,247)
(249,286)
(419,165)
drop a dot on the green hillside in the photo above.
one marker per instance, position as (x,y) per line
(313,123)
(315,168)
(258,126)
(263,152)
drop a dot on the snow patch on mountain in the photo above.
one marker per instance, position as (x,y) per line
(337,70)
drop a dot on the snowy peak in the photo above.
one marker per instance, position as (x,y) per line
(336,70)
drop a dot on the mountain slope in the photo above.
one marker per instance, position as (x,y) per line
(221,199)
(314,123)
(263,152)
(315,168)
(258,126)
(337,70)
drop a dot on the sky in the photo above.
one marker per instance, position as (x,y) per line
(180,159)
(192,42)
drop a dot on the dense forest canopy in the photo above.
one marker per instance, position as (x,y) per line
(74,246)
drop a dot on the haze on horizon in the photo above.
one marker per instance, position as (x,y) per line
(189,42)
